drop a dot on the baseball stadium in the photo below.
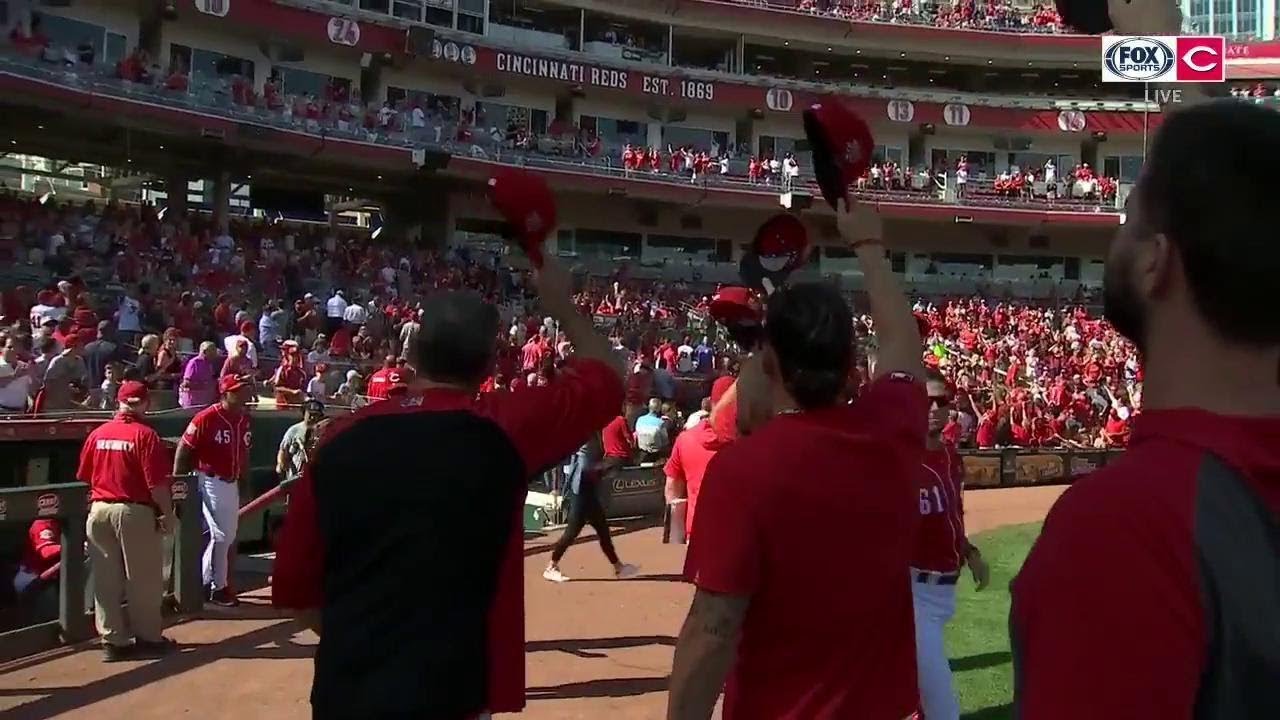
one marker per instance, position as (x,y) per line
(306,305)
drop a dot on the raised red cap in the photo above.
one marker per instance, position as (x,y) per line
(525,201)
(230,383)
(842,147)
(735,305)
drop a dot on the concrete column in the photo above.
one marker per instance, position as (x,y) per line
(175,187)
(221,200)
(373,85)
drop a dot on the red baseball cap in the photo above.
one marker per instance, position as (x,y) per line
(132,392)
(842,147)
(246,326)
(720,387)
(735,305)
(230,383)
(525,201)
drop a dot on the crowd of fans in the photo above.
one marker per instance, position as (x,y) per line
(1259,93)
(482,132)
(999,15)
(311,312)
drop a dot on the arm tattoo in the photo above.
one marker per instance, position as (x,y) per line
(704,653)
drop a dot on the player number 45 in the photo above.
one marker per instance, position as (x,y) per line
(222,437)
(931,501)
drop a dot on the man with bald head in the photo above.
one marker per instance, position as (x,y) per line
(455,650)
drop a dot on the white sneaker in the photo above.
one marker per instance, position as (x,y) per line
(626,570)
(554,575)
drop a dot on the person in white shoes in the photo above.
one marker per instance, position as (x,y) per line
(585,475)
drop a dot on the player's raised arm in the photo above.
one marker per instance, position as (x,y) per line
(897,334)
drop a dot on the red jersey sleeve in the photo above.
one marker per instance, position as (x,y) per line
(84,472)
(674,469)
(547,424)
(194,433)
(1092,582)
(299,565)
(724,553)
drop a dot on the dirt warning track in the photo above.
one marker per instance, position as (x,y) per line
(597,647)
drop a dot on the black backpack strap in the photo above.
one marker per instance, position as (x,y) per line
(1237,541)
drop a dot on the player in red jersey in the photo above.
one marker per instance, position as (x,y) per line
(941,550)
(216,446)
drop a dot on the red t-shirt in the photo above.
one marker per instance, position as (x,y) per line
(778,512)
(121,460)
(340,344)
(378,384)
(532,355)
(940,542)
(220,439)
(544,424)
(616,439)
(690,456)
(1121,565)
(44,546)
(986,434)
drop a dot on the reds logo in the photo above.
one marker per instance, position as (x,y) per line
(178,490)
(47,505)
(248,439)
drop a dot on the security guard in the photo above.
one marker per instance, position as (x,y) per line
(126,467)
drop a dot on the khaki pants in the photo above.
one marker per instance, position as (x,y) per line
(124,549)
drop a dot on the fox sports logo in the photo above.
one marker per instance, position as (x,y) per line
(1139,59)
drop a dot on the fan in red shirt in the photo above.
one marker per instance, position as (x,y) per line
(290,379)
(796,639)
(378,383)
(692,453)
(1153,591)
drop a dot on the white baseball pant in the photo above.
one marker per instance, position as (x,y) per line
(221,503)
(934,606)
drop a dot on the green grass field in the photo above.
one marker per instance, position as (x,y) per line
(978,636)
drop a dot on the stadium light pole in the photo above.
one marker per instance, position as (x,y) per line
(1146,116)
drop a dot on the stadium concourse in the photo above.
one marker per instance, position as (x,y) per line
(595,647)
